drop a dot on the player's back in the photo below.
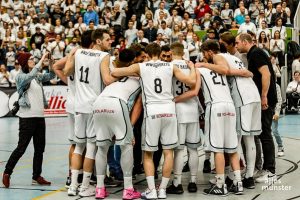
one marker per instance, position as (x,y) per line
(214,86)
(243,89)
(190,108)
(156,83)
(88,80)
(125,89)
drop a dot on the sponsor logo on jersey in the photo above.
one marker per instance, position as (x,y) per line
(161,116)
(103,111)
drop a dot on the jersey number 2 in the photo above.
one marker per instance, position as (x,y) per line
(215,77)
(82,71)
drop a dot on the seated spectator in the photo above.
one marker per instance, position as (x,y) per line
(264,29)
(227,14)
(263,41)
(163,9)
(194,47)
(36,53)
(279,27)
(91,25)
(240,10)
(103,25)
(159,40)
(276,68)
(73,43)
(286,10)
(185,21)
(4,77)
(57,48)
(296,63)
(190,33)
(175,32)
(189,6)
(59,29)
(234,25)
(260,18)
(254,9)
(13,73)
(165,31)
(148,16)
(201,10)
(140,37)
(150,32)
(80,25)
(37,38)
(278,14)
(90,15)
(240,18)
(269,10)
(247,26)
(174,19)
(206,21)
(293,92)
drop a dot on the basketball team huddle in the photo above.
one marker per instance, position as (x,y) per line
(107,96)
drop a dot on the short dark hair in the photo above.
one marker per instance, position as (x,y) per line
(126,56)
(86,39)
(295,72)
(212,45)
(165,48)
(153,49)
(137,48)
(98,34)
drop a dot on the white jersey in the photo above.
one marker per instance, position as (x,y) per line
(88,80)
(243,90)
(125,89)
(187,111)
(214,86)
(70,103)
(156,83)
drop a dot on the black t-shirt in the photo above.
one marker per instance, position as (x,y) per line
(256,59)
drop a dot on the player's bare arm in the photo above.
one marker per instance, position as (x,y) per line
(105,72)
(132,70)
(58,69)
(70,64)
(193,92)
(190,79)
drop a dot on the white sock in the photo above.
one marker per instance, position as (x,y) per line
(177,180)
(86,179)
(74,177)
(164,183)
(237,176)
(100,181)
(128,182)
(193,179)
(151,182)
(207,155)
(220,180)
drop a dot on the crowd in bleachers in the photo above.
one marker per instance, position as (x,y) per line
(56,25)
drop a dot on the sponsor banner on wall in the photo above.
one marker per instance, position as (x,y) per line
(55,95)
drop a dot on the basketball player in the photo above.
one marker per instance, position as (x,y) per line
(246,99)
(112,118)
(220,124)
(58,69)
(91,74)
(159,113)
(188,129)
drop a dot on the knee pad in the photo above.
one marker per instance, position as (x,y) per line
(79,148)
(90,150)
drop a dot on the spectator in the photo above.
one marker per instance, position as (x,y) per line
(91,15)
(31,118)
(130,34)
(189,33)
(51,34)
(247,26)
(67,18)
(276,68)
(296,63)
(175,33)
(264,29)
(161,8)
(234,25)
(45,46)
(73,44)
(13,73)
(10,58)
(58,29)
(279,14)
(122,3)
(201,9)
(43,14)
(69,31)
(162,17)
(286,10)
(150,32)
(57,48)
(37,38)
(277,46)
(174,19)
(56,14)
(293,92)
(69,5)
(185,21)
(240,17)
(91,25)
(36,53)
(260,18)
(194,48)
(148,16)
(189,6)
(140,37)
(254,10)
(159,40)
(227,15)
(103,25)
(4,77)
(206,21)
(80,25)
(263,41)
(18,7)
(179,7)
(165,31)
(279,27)
(269,10)
(239,11)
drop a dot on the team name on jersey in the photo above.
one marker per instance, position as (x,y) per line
(182,66)
(92,54)
(156,65)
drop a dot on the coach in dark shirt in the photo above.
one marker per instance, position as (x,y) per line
(263,76)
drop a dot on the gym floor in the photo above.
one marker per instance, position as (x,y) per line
(55,166)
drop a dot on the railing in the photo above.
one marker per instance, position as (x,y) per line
(296,25)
